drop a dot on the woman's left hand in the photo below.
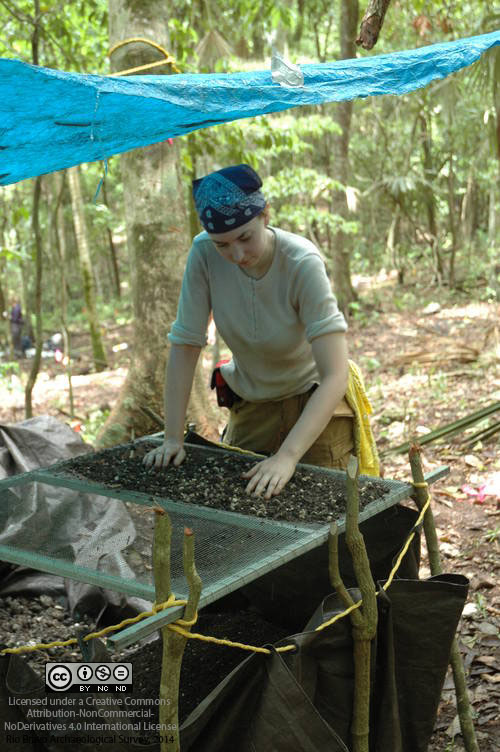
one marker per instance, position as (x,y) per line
(270,476)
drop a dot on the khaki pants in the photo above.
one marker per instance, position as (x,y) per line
(263,426)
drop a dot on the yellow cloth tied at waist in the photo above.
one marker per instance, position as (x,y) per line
(364,441)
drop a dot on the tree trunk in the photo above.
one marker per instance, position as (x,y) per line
(372,22)
(468,211)
(82,245)
(37,235)
(299,28)
(26,296)
(157,241)
(452,218)
(493,193)
(35,366)
(340,251)
(392,244)
(4,326)
(60,249)
(492,214)
(112,249)
(428,193)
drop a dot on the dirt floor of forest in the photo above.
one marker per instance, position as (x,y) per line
(425,365)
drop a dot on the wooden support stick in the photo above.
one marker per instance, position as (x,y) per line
(463,704)
(173,643)
(335,577)
(161,555)
(364,629)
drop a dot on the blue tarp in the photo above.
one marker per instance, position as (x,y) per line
(50,120)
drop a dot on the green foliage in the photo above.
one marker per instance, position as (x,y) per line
(93,424)
(112,312)
(184,38)
(493,534)
(300,198)
(7,370)
(73,36)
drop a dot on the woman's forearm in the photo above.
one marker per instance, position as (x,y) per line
(315,416)
(178,382)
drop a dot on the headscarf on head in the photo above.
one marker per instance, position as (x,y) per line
(228,198)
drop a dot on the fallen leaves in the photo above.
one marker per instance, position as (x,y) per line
(473,461)
(492,678)
(485,627)
(440,353)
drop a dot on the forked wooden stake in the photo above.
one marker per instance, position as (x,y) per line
(363,619)
(463,704)
(173,643)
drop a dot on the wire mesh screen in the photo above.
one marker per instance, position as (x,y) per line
(99,533)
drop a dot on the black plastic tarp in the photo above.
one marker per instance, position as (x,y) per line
(302,701)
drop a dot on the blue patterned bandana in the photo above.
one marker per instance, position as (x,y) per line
(228,198)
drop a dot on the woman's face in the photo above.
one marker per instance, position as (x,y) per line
(247,245)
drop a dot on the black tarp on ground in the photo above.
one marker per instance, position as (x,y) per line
(81,528)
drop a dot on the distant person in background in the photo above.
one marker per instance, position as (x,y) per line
(16,327)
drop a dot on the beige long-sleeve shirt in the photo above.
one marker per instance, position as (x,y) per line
(267,323)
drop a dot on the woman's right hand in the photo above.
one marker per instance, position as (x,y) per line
(170,451)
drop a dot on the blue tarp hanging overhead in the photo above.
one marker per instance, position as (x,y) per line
(50,120)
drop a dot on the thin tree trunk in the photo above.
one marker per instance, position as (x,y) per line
(392,244)
(428,193)
(26,298)
(82,244)
(157,240)
(452,219)
(35,366)
(492,214)
(468,211)
(112,249)
(194,224)
(60,246)
(35,225)
(4,326)
(299,28)
(340,251)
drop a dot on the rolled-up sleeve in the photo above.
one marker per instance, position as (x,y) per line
(316,304)
(193,310)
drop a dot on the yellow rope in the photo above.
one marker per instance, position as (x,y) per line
(338,616)
(240,450)
(227,643)
(169,603)
(178,625)
(146,66)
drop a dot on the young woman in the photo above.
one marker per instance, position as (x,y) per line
(273,305)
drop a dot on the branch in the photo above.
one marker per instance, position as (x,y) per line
(161,556)
(22,17)
(357,548)
(363,633)
(372,22)
(335,576)
(173,649)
